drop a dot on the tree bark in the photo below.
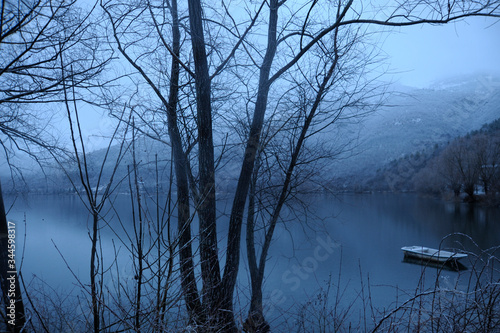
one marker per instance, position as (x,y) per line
(210,268)
(94,272)
(188,279)
(256,321)
(239,202)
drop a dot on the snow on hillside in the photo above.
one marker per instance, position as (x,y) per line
(417,119)
(413,120)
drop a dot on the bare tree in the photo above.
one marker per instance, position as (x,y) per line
(169,104)
(33,37)
(461,157)
(435,177)
(96,190)
(225,47)
(487,150)
(449,171)
(265,81)
(335,91)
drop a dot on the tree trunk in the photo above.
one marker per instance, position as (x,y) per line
(93,273)
(210,268)
(469,190)
(486,186)
(11,291)
(256,314)
(236,217)
(188,279)
(255,321)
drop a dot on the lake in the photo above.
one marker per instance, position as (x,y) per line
(348,244)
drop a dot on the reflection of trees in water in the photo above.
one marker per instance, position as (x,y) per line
(432,218)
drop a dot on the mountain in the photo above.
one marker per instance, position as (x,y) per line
(417,120)
(411,125)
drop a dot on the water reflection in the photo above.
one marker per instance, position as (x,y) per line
(453,266)
(347,241)
(369,231)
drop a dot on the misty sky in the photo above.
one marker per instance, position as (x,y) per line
(416,56)
(422,54)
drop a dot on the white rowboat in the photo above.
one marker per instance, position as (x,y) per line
(440,256)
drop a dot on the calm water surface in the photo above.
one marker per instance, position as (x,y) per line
(343,241)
